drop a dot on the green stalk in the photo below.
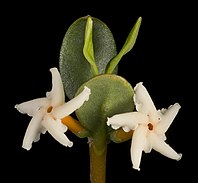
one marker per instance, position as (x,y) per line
(97,164)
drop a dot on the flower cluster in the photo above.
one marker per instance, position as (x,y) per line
(115,111)
(148,123)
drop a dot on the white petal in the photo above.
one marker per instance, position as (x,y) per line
(163,148)
(167,118)
(137,145)
(57,129)
(33,131)
(72,105)
(126,128)
(144,103)
(147,146)
(32,106)
(161,136)
(115,127)
(42,131)
(128,120)
(56,95)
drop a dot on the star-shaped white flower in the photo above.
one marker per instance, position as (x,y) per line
(149,126)
(48,111)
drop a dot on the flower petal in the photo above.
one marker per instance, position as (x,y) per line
(72,105)
(144,103)
(147,146)
(137,145)
(126,128)
(33,131)
(167,118)
(56,95)
(57,129)
(163,148)
(128,120)
(32,106)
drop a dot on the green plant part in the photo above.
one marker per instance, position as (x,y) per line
(88,50)
(128,45)
(77,68)
(110,94)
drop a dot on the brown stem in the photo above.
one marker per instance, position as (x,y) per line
(97,164)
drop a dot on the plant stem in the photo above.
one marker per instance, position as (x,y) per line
(97,164)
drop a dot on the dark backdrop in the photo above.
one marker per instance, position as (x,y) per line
(163,58)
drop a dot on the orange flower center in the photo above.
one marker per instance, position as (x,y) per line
(49,109)
(150,126)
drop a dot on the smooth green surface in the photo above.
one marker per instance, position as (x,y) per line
(74,68)
(110,94)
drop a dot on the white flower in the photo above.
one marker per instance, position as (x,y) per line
(47,112)
(149,126)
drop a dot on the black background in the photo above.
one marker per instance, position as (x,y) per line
(163,58)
